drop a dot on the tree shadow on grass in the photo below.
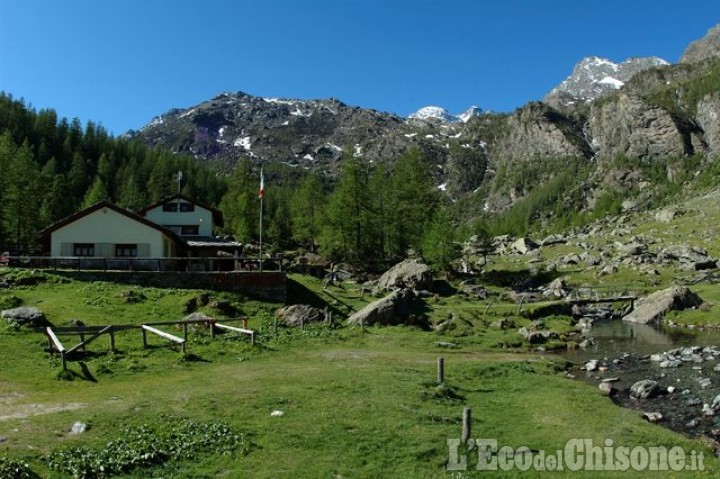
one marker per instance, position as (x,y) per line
(299,294)
(443,288)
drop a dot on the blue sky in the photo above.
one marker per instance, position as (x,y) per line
(119,63)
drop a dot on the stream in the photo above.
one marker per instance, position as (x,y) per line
(683,363)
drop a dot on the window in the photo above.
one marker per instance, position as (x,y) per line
(83,249)
(185,207)
(189,230)
(170,207)
(126,250)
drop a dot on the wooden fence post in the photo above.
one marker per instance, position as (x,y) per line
(185,331)
(112,341)
(467,426)
(144,338)
(440,370)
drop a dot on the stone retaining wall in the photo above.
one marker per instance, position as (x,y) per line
(271,285)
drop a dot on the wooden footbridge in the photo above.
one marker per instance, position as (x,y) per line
(582,297)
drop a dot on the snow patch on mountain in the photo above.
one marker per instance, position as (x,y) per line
(433,113)
(471,112)
(593,77)
(436,113)
(243,142)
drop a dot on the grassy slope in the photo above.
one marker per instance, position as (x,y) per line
(356,404)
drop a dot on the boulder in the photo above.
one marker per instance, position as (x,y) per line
(653,307)
(523,246)
(629,205)
(412,273)
(632,249)
(606,389)
(224,307)
(393,309)
(609,269)
(685,253)
(197,317)
(300,315)
(644,389)
(25,316)
(79,428)
(553,239)
(556,289)
(666,215)
(653,416)
(571,258)
(537,337)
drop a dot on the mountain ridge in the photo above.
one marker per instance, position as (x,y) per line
(643,108)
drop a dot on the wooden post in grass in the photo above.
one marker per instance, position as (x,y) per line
(144,333)
(185,329)
(112,341)
(211,325)
(441,370)
(466,427)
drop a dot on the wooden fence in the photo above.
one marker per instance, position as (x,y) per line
(94,332)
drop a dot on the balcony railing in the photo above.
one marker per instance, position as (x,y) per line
(202,264)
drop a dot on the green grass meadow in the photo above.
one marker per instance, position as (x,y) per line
(355,403)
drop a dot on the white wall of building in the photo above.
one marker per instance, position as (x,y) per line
(106,228)
(201,217)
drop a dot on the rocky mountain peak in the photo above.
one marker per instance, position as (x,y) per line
(593,77)
(439,114)
(471,112)
(433,113)
(705,48)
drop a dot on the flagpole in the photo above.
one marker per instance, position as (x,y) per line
(261,194)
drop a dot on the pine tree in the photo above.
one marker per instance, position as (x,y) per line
(382,206)
(241,204)
(21,195)
(307,211)
(413,200)
(97,193)
(439,245)
(347,230)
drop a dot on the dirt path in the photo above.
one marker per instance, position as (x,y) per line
(9,409)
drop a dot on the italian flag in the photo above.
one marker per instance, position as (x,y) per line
(261,192)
